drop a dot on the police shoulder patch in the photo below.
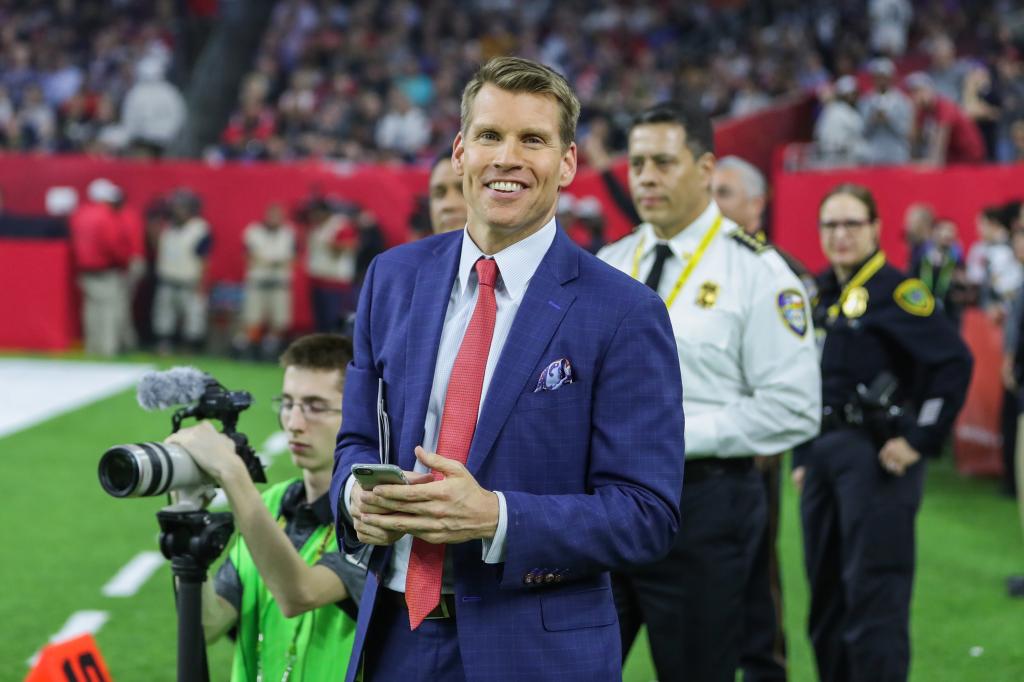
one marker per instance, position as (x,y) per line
(793,311)
(913,296)
(752,243)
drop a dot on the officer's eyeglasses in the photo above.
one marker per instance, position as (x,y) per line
(312,409)
(831,225)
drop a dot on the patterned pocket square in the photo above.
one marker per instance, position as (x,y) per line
(555,375)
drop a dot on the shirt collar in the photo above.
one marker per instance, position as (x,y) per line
(293,505)
(516,263)
(685,243)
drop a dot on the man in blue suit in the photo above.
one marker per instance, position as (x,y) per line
(540,387)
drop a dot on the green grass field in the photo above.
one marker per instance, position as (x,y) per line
(63,538)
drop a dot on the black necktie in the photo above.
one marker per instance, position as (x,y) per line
(661,254)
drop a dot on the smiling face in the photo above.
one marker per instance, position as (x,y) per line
(670,188)
(848,235)
(513,164)
(311,438)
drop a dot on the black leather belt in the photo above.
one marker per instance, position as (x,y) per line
(701,469)
(444,609)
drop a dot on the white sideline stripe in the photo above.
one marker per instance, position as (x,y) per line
(275,444)
(37,390)
(133,574)
(78,623)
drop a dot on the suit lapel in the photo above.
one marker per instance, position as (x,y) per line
(426,319)
(544,305)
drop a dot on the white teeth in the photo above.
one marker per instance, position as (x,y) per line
(506,186)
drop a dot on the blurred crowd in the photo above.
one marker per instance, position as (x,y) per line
(87,76)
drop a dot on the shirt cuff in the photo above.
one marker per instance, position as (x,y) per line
(349,483)
(494,549)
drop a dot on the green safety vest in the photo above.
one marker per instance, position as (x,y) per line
(325,635)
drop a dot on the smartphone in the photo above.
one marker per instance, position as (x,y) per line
(370,475)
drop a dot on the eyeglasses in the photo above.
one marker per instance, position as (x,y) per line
(313,409)
(845,224)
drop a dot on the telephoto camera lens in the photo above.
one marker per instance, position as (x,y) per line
(147,469)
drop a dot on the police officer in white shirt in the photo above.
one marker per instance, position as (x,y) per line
(751,386)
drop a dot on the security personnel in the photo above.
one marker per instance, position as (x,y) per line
(894,375)
(751,387)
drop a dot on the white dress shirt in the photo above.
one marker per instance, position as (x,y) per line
(516,266)
(751,381)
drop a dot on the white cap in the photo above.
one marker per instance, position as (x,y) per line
(61,200)
(847,85)
(588,207)
(103,190)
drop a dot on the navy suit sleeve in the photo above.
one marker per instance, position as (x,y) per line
(357,439)
(629,513)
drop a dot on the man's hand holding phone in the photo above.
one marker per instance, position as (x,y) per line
(368,477)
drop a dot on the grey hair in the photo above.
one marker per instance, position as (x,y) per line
(753,179)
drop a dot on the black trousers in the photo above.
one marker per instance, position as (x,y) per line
(763,647)
(859,551)
(692,600)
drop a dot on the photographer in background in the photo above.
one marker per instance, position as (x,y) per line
(285,588)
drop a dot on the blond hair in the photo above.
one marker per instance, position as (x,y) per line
(515,74)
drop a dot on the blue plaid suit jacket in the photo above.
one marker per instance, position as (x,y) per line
(591,472)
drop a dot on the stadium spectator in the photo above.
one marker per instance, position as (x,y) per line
(1017,141)
(285,588)
(404,128)
(941,267)
(918,223)
(154,110)
(888,117)
(943,133)
(270,247)
(590,223)
(946,72)
(182,250)
(447,205)
(101,251)
(134,228)
(839,130)
(740,192)
(991,267)
(331,246)
(982,102)
(890,23)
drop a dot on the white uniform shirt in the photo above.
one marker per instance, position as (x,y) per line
(177,258)
(324,261)
(270,253)
(751,381)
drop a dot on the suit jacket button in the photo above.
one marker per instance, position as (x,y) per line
(558,578)
(549,578)
(527,579)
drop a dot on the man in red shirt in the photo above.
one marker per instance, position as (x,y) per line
(943,133)
(101,250)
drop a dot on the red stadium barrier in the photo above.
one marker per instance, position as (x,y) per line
(37,303)
(978,438)
(957,193)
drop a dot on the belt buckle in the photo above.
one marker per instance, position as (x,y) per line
(445,612)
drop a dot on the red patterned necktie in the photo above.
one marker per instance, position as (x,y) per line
(458,422)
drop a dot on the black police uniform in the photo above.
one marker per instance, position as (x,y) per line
(858,518)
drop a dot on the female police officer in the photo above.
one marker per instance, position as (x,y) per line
(894,375)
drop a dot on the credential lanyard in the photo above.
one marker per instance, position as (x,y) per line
(866,272)
(690,264)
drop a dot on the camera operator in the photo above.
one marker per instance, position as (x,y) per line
(285,589)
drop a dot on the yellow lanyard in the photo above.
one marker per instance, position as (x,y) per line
(690,265)
(866,272)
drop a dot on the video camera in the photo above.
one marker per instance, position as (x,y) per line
(153,468)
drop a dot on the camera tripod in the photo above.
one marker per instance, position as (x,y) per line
(192,539)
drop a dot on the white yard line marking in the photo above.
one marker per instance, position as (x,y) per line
(37,390)
(78,623)
(133,574)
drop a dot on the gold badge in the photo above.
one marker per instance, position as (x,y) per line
(708,295)
(856,302)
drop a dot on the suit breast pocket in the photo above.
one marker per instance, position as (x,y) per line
(567,394)
(574,610)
